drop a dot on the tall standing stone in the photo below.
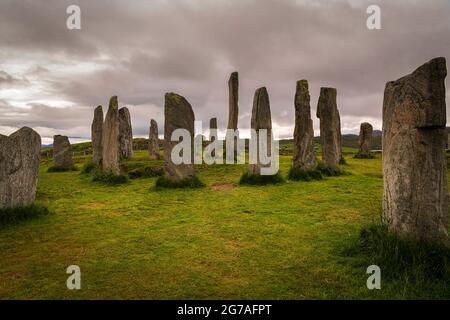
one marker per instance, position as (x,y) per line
(19,167)
(233,107)
(415,200)
(330,127)
(153,141)
(110,138)
(304,155)
(213,133)
(62,152)
(125,134)
(96,135)
(365,140)
(261,119)
(178,114)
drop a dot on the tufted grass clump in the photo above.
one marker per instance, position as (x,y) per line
(146,172)
(260,180)
(14,215)
(299,174)
(403,261)
(328,171)
(364,156)
(165,183)
(89,167)
(110,178)
(62,169)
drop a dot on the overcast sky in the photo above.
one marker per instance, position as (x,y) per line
(51,78)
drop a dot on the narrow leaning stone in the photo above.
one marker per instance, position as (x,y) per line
(96,135)
(304,155)
(110,138)
(415,201)
(125,134)
(330,127)
(153,141)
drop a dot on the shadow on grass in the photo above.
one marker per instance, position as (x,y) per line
(260,180)
(62,169)
(16,215)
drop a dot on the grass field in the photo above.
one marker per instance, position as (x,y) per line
(223,241)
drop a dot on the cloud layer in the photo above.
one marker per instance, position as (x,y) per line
(51,78)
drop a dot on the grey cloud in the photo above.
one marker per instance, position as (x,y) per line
(141,50)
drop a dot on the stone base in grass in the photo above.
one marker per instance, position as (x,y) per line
(62,169)
(165,183)
(255,179)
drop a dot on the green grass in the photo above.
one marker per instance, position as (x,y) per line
(131,241)
(406,264)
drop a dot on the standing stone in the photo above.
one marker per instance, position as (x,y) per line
(261,119)
(96,135)
(62,152)
(415,200)
(153,141)
(233,107)
(110,138)
(178,114)
(125,134)
(213,133)
(19,167)
(365,140)
(304,155)
(330,127)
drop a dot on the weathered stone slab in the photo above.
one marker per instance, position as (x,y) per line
(233,109)
(96,135)
(415,200)
(365,139)
(125,134)
(110,138)
(153,141)
(330,127)
(178,114)
(19,167)
(304,154)
(62,152)
(261,119)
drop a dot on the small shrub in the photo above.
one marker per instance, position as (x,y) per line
(256,179)
(299,174)
(401,259)
(163,183)
(109,178)
(62,169)
(146,172)
(14,215)
(89,167)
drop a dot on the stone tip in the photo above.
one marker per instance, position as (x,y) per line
(302,84)
(436,65)
(113,101)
